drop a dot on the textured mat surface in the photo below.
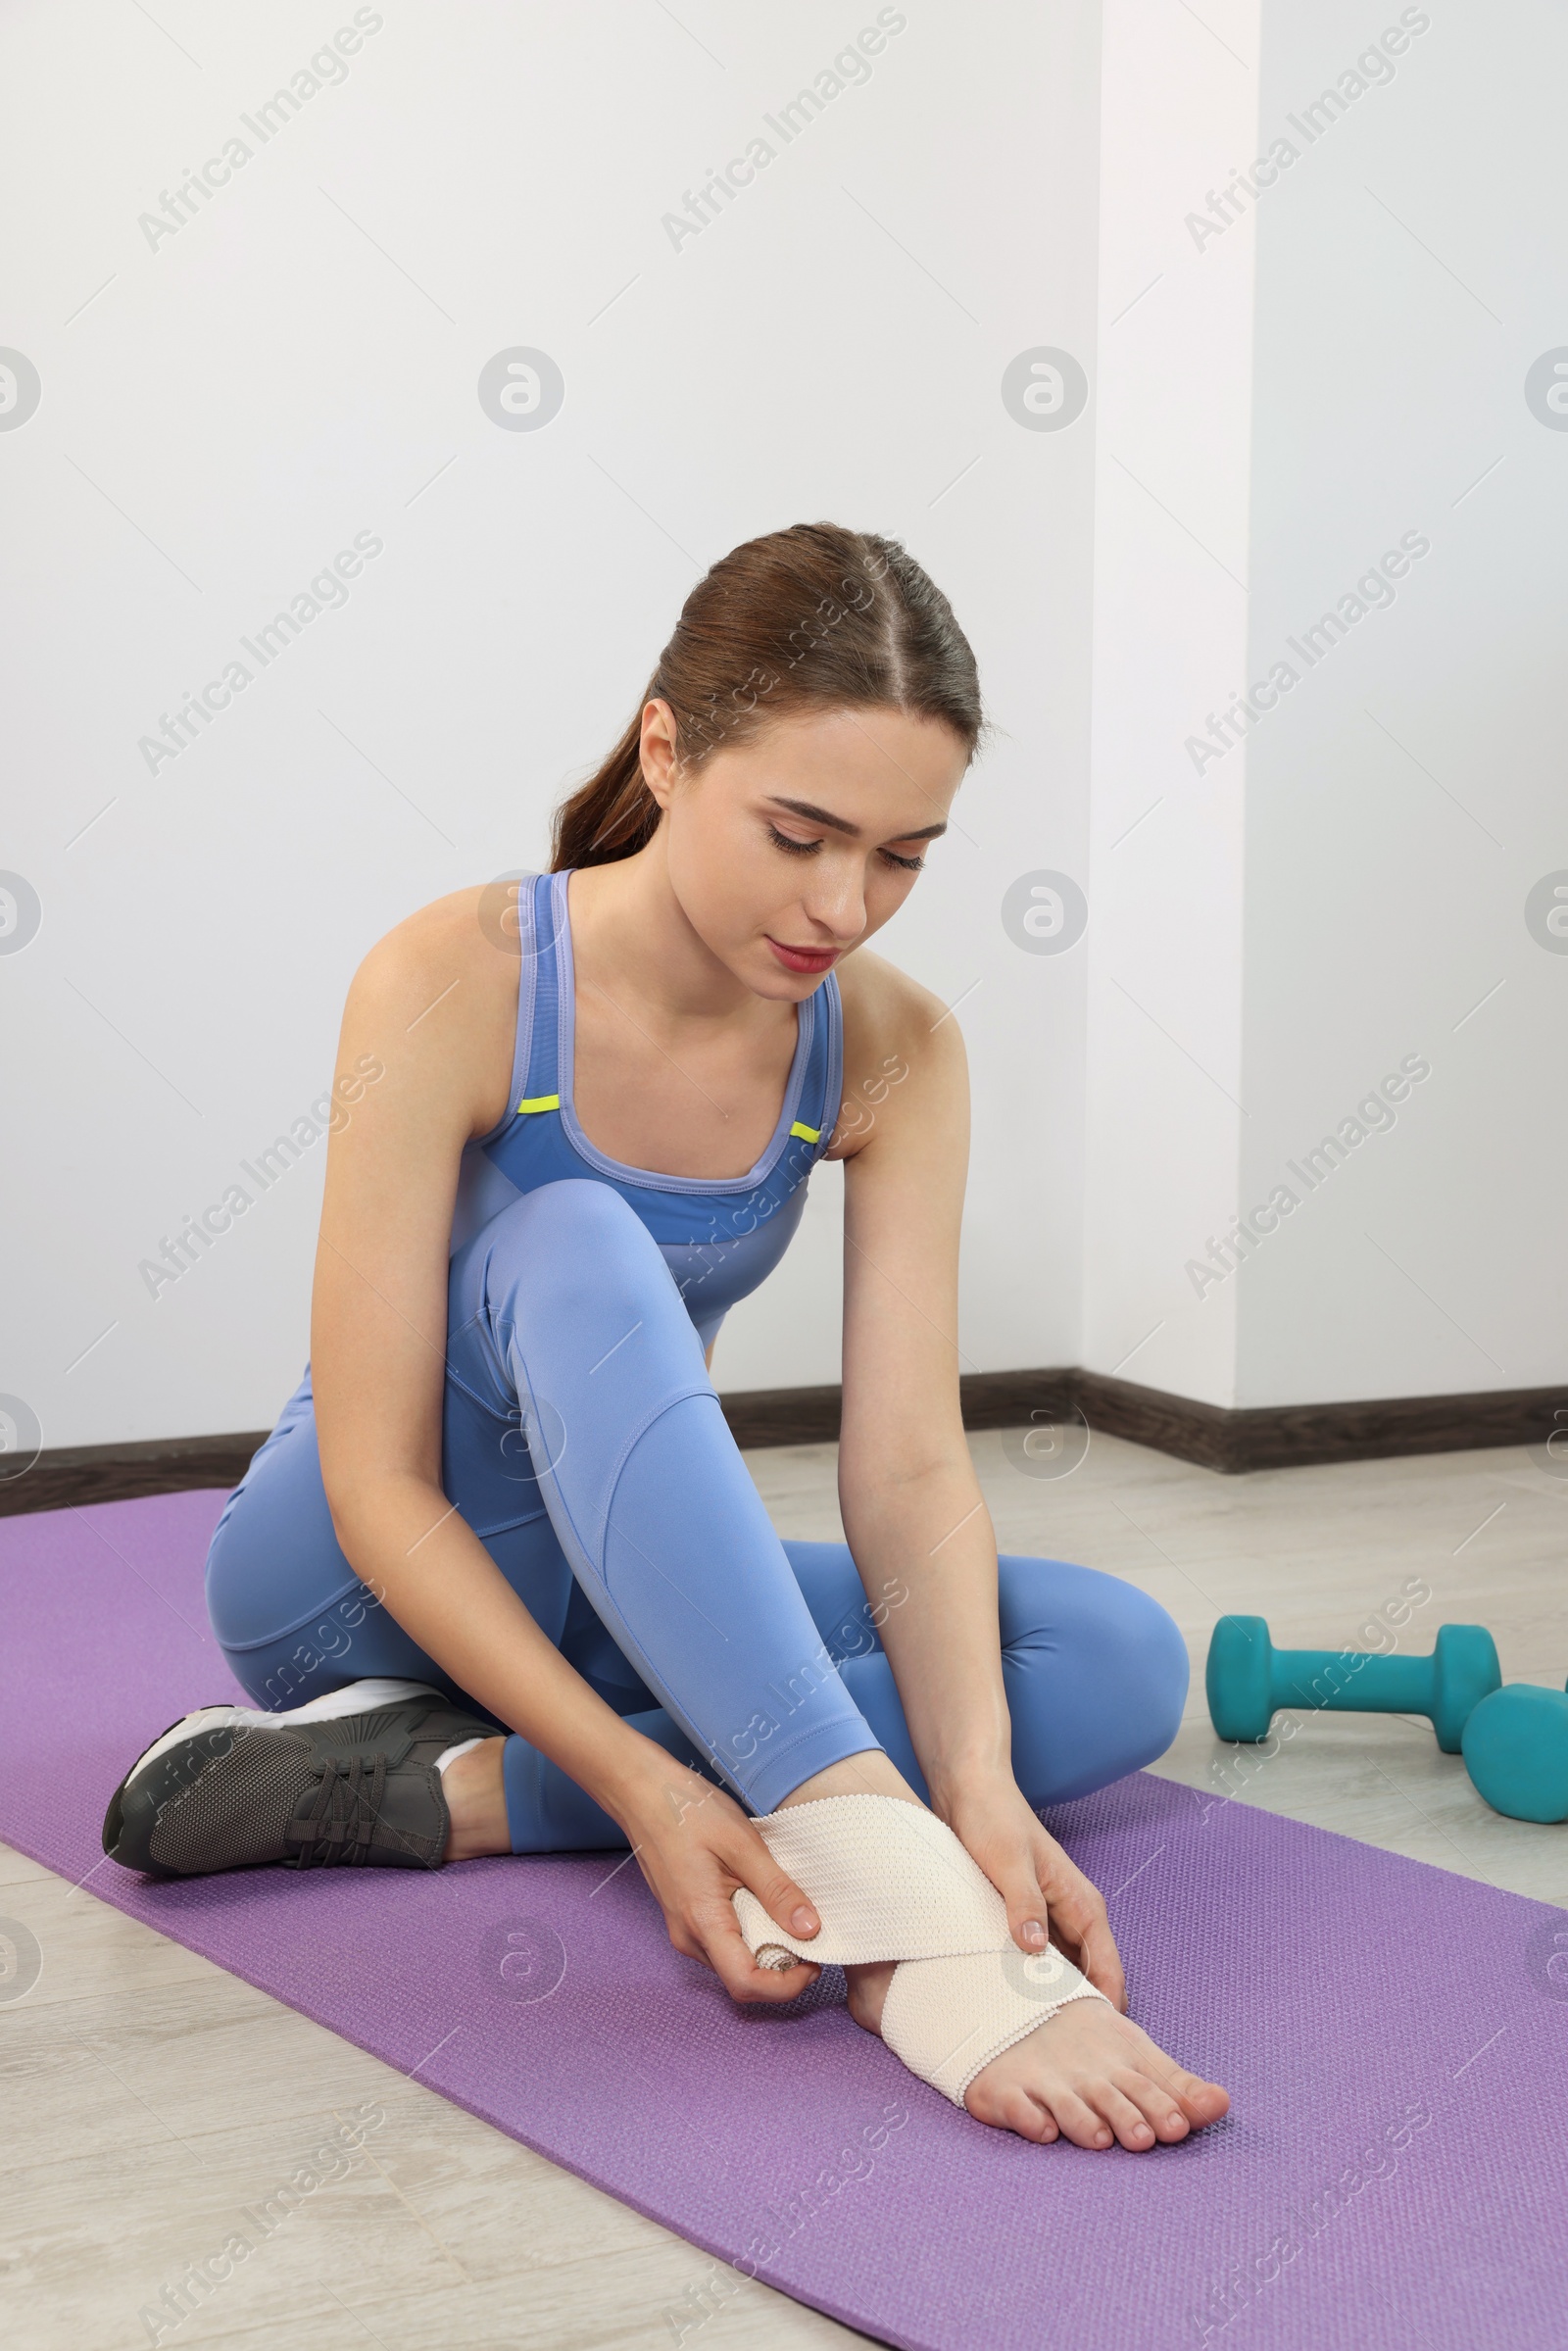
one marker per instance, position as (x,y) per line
(1393,2173)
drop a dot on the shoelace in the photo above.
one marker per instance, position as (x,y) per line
(348,1805)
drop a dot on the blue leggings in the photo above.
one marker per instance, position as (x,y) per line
(584,1444)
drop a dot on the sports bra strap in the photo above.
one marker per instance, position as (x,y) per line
(822,1093)
(537,926)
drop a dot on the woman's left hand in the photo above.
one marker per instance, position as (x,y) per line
(1047,1897)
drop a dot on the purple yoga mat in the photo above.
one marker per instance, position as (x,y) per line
(1393,2172)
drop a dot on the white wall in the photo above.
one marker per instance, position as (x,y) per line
(1341,362)
(1272,404)
(1172,511)
(224,409)
(1398,818)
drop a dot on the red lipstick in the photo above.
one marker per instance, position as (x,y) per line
(804,959)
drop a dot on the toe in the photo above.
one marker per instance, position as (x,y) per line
(1131,2127)
(1153,2099)
(1203,2101)
(1029,2119)
(1079,2122)
(1007,2106)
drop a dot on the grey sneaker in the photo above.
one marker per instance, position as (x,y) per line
(349,1777)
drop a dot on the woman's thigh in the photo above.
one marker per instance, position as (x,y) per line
(1094,1671)
(295,1621)
(292,1618)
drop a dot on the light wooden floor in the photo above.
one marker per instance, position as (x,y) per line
(148,2096)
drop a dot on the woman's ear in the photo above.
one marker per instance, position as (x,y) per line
(658,750)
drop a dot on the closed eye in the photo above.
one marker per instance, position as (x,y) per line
(808,848)
(793,848)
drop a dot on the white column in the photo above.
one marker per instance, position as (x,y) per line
(1164,1122)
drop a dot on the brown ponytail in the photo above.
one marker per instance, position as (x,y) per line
(811,618)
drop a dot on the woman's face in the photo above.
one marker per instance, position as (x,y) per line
(787,850)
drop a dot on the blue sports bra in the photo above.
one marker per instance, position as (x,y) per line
(720,1238)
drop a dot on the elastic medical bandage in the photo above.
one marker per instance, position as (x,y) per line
(890,1880)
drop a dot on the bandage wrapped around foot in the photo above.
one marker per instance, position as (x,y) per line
(890,1880)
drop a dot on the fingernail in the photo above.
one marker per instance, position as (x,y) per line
(1033,1934)
(802,1921)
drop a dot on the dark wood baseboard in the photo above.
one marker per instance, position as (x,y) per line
(1273,1437)
(760,1416)
(1295,1436)
(1270,1437)
(75,1474)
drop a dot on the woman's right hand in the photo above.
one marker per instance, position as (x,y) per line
(694,1845)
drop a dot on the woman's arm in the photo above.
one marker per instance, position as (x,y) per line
(435,1004)
(913,1510)
(914,1513)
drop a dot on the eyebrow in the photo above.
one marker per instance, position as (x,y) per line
(840,824)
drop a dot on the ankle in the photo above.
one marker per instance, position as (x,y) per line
(476,1803)
(872,1773)
(867,1987)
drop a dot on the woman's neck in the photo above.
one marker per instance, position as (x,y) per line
(631,939)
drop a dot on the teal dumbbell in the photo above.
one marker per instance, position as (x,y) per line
(1249,1679)
(1516,1751)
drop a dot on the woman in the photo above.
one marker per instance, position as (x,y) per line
(500,1582)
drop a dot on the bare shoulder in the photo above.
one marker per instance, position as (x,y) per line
(470,936)
(438,996)
(903,1053)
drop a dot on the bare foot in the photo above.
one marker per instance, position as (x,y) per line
(1087,2073)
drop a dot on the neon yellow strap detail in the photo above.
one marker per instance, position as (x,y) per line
(806,1134)
(540,1101)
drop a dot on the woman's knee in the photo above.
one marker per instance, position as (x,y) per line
(572,1213)
(1097,1659)
(563,1255)
(1157,1672)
